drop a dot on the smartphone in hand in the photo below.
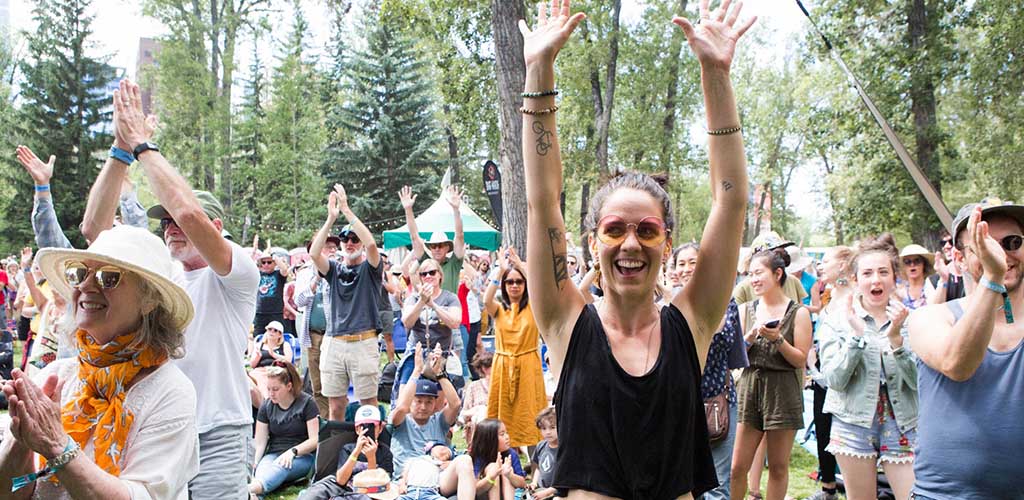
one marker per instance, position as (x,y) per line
(773,323)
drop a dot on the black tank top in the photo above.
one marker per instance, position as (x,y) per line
(634,438)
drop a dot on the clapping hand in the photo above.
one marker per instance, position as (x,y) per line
(713,38)
(857,323)
(131,126)
(506,465)
(549,34)
(342,196)
(988,250)
(39,171)
(35,414)
(897,314)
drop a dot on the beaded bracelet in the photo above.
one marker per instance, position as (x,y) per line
(726,131)
(534,112)
(539,94)
(71,450)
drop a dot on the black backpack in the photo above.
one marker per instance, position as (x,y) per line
(387,382)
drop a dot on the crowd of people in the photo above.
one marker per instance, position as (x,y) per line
(636,369)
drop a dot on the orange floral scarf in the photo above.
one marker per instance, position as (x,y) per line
(98,411)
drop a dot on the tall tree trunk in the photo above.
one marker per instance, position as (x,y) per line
(603,100)
(227,77)
(668,124)
(833,203)
(453,147)
(921,22)
(584,208)
(511,73)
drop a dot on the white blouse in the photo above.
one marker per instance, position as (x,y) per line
(162,452)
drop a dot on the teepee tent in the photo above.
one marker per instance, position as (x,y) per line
(439,217)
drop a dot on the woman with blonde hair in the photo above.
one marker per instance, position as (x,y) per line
(121,412)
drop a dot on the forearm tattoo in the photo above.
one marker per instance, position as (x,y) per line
(561,272)
(726,185)
(543,138)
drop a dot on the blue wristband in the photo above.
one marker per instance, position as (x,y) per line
(122,155)
(1001,290)
(42,188)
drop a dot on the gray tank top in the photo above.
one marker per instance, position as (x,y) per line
(970,433)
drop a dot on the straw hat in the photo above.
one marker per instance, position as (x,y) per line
(131,249)
(918,250)
(375,484)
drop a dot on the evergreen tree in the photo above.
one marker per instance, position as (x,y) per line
(65,111)
(292,195)
(250,139)
(389,115)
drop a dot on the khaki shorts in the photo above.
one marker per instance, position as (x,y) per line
(770,400)
(344,362)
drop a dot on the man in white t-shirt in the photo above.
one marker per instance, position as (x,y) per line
(220,278)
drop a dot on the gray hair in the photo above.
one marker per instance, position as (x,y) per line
(157,329)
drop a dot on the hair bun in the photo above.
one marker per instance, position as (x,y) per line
(784,255)
(661,179)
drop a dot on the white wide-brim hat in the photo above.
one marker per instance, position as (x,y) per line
(918,250)
(798,260)
(438,237)
(134,250)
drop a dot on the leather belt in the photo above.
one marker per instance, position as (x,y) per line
(356,337)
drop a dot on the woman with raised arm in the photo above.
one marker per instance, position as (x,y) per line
(631,420)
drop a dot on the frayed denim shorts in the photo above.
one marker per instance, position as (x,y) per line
(882,441)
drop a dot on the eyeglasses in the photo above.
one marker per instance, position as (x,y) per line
(913,262)
(107,277)
(165,222)
(650,231)
(431,272)
(515,282)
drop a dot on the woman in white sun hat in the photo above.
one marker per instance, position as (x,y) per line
(917,265)
(109,422)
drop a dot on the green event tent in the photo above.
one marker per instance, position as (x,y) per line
(439,217)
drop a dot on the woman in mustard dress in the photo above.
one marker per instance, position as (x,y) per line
(517,380)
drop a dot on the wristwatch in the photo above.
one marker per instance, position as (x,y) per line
(142,148)
(295,452)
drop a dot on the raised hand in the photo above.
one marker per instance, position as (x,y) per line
(408,199)
(26,257)
(713,38)
(342,198)
(941,267)
(988,250)
(333,206)
(35,414)
(506,466)
(513,257)
(39,171)
(453,195)
(897,314)
(549,34)
(418,358)
(130,124)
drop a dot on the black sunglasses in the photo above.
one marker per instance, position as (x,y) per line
(1012,242)
(947,241)
(431,272)
(349,238)
(165,222)
(913,261)
(515,282)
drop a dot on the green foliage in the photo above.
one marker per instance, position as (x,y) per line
(65,111)
(389,118)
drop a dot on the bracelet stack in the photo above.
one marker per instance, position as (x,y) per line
(536,95)
(546,93)
(52,467)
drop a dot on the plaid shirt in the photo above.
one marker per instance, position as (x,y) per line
(49,233)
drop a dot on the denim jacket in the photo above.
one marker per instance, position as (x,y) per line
(853,367)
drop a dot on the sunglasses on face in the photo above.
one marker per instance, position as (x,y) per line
(435,246)
(515,282)
(1012,242)
(431,272)
(650,231)
(350,239)
(265,262)
(947,241)
(913,262)
(107,277)
(165,223)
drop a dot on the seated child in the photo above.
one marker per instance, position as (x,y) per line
(496,466)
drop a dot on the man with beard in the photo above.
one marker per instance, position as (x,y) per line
(220,278)
(349,352)
(971,365)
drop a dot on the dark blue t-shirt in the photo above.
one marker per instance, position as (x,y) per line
(480,464)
